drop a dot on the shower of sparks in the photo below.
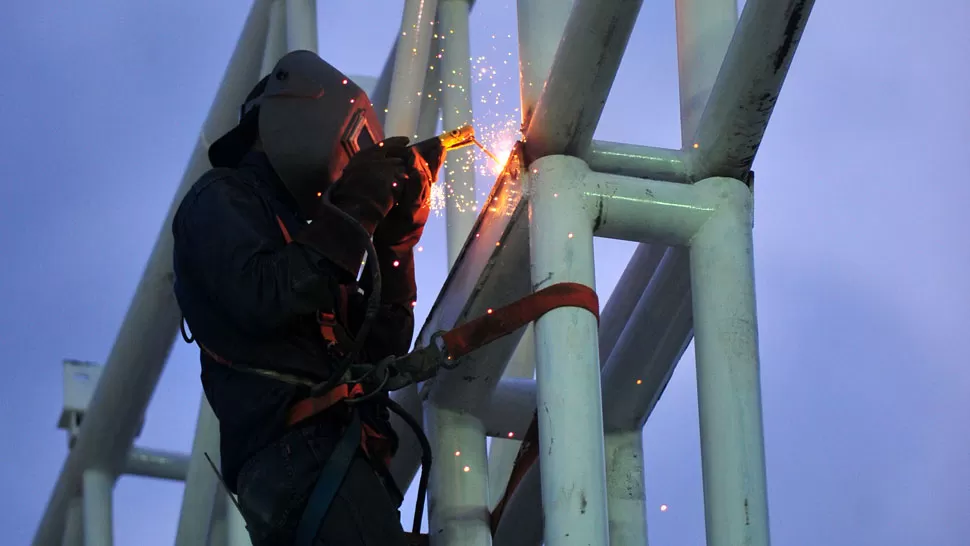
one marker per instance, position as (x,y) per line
(494,115)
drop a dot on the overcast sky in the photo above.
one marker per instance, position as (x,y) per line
(861,253)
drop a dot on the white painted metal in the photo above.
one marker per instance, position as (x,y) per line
(747,87)
(145,338)
(155,463)
(401,119)
(413,44)
(540,27)
(301,25)
(97,486)
(201,483)
(458,491)
(728,380)
(638,161)
(74,523)
(276,37)
(540,24)
(626,495)
(567,359)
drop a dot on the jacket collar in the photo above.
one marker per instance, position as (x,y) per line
(258,164)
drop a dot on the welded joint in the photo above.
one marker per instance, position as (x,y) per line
(641,210)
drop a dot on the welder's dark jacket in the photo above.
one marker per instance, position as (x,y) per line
(251,298)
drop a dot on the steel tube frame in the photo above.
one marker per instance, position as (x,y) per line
(276,36)
(540,28)
(625,490)
(713,218)
(98,488)
(638,161)
(201,483)
(74,524)
(567,360)
(581,76)
(413,45)
(747,86)
(400,119)
(458,493)
(301,25)
(155,463)
(150,325)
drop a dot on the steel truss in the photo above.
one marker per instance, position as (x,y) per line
(692,276)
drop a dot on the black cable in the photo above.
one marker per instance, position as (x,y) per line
(426,461)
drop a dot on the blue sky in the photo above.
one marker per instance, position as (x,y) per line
(860,237)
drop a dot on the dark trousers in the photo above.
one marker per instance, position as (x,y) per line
(274,486)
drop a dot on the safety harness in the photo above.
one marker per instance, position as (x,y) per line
(443,352)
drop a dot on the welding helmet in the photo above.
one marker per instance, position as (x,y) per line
(311,120)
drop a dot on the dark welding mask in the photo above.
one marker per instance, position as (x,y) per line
(311,120)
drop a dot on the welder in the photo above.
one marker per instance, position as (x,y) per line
(268,251)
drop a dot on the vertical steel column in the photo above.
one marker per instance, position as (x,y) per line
(458,497)
(276,36)
(98,488)
(704,31)
(625,488)
(201,483)
(430,109)
(728,382)
(540,27)
(74,524)
(456,110)
(301,25)
(401,118)
(569,401)
(413,45)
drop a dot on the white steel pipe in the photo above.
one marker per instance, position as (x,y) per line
(236,532)
(744,94)
(155,463)
(704,30)
(381,94)
(508,417)
(458,493)
(728,381)
(581,76)
(625,488)
(638,161)
(567,359)
(98,489)
(151,323)
(400,119)
(219,526)
(411,53)
(74,524)
(456,111)
(276,36)
(301,25)
(540,25)
(201,483)
(429,113)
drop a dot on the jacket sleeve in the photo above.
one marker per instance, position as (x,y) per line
(231,245)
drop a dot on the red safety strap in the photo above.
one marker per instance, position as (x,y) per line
(498,323)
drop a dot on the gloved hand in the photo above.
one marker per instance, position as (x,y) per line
(404,223)
(365,193)
(365,190)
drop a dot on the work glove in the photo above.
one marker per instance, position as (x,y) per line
(366,189)
(365,194)
(404,223)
